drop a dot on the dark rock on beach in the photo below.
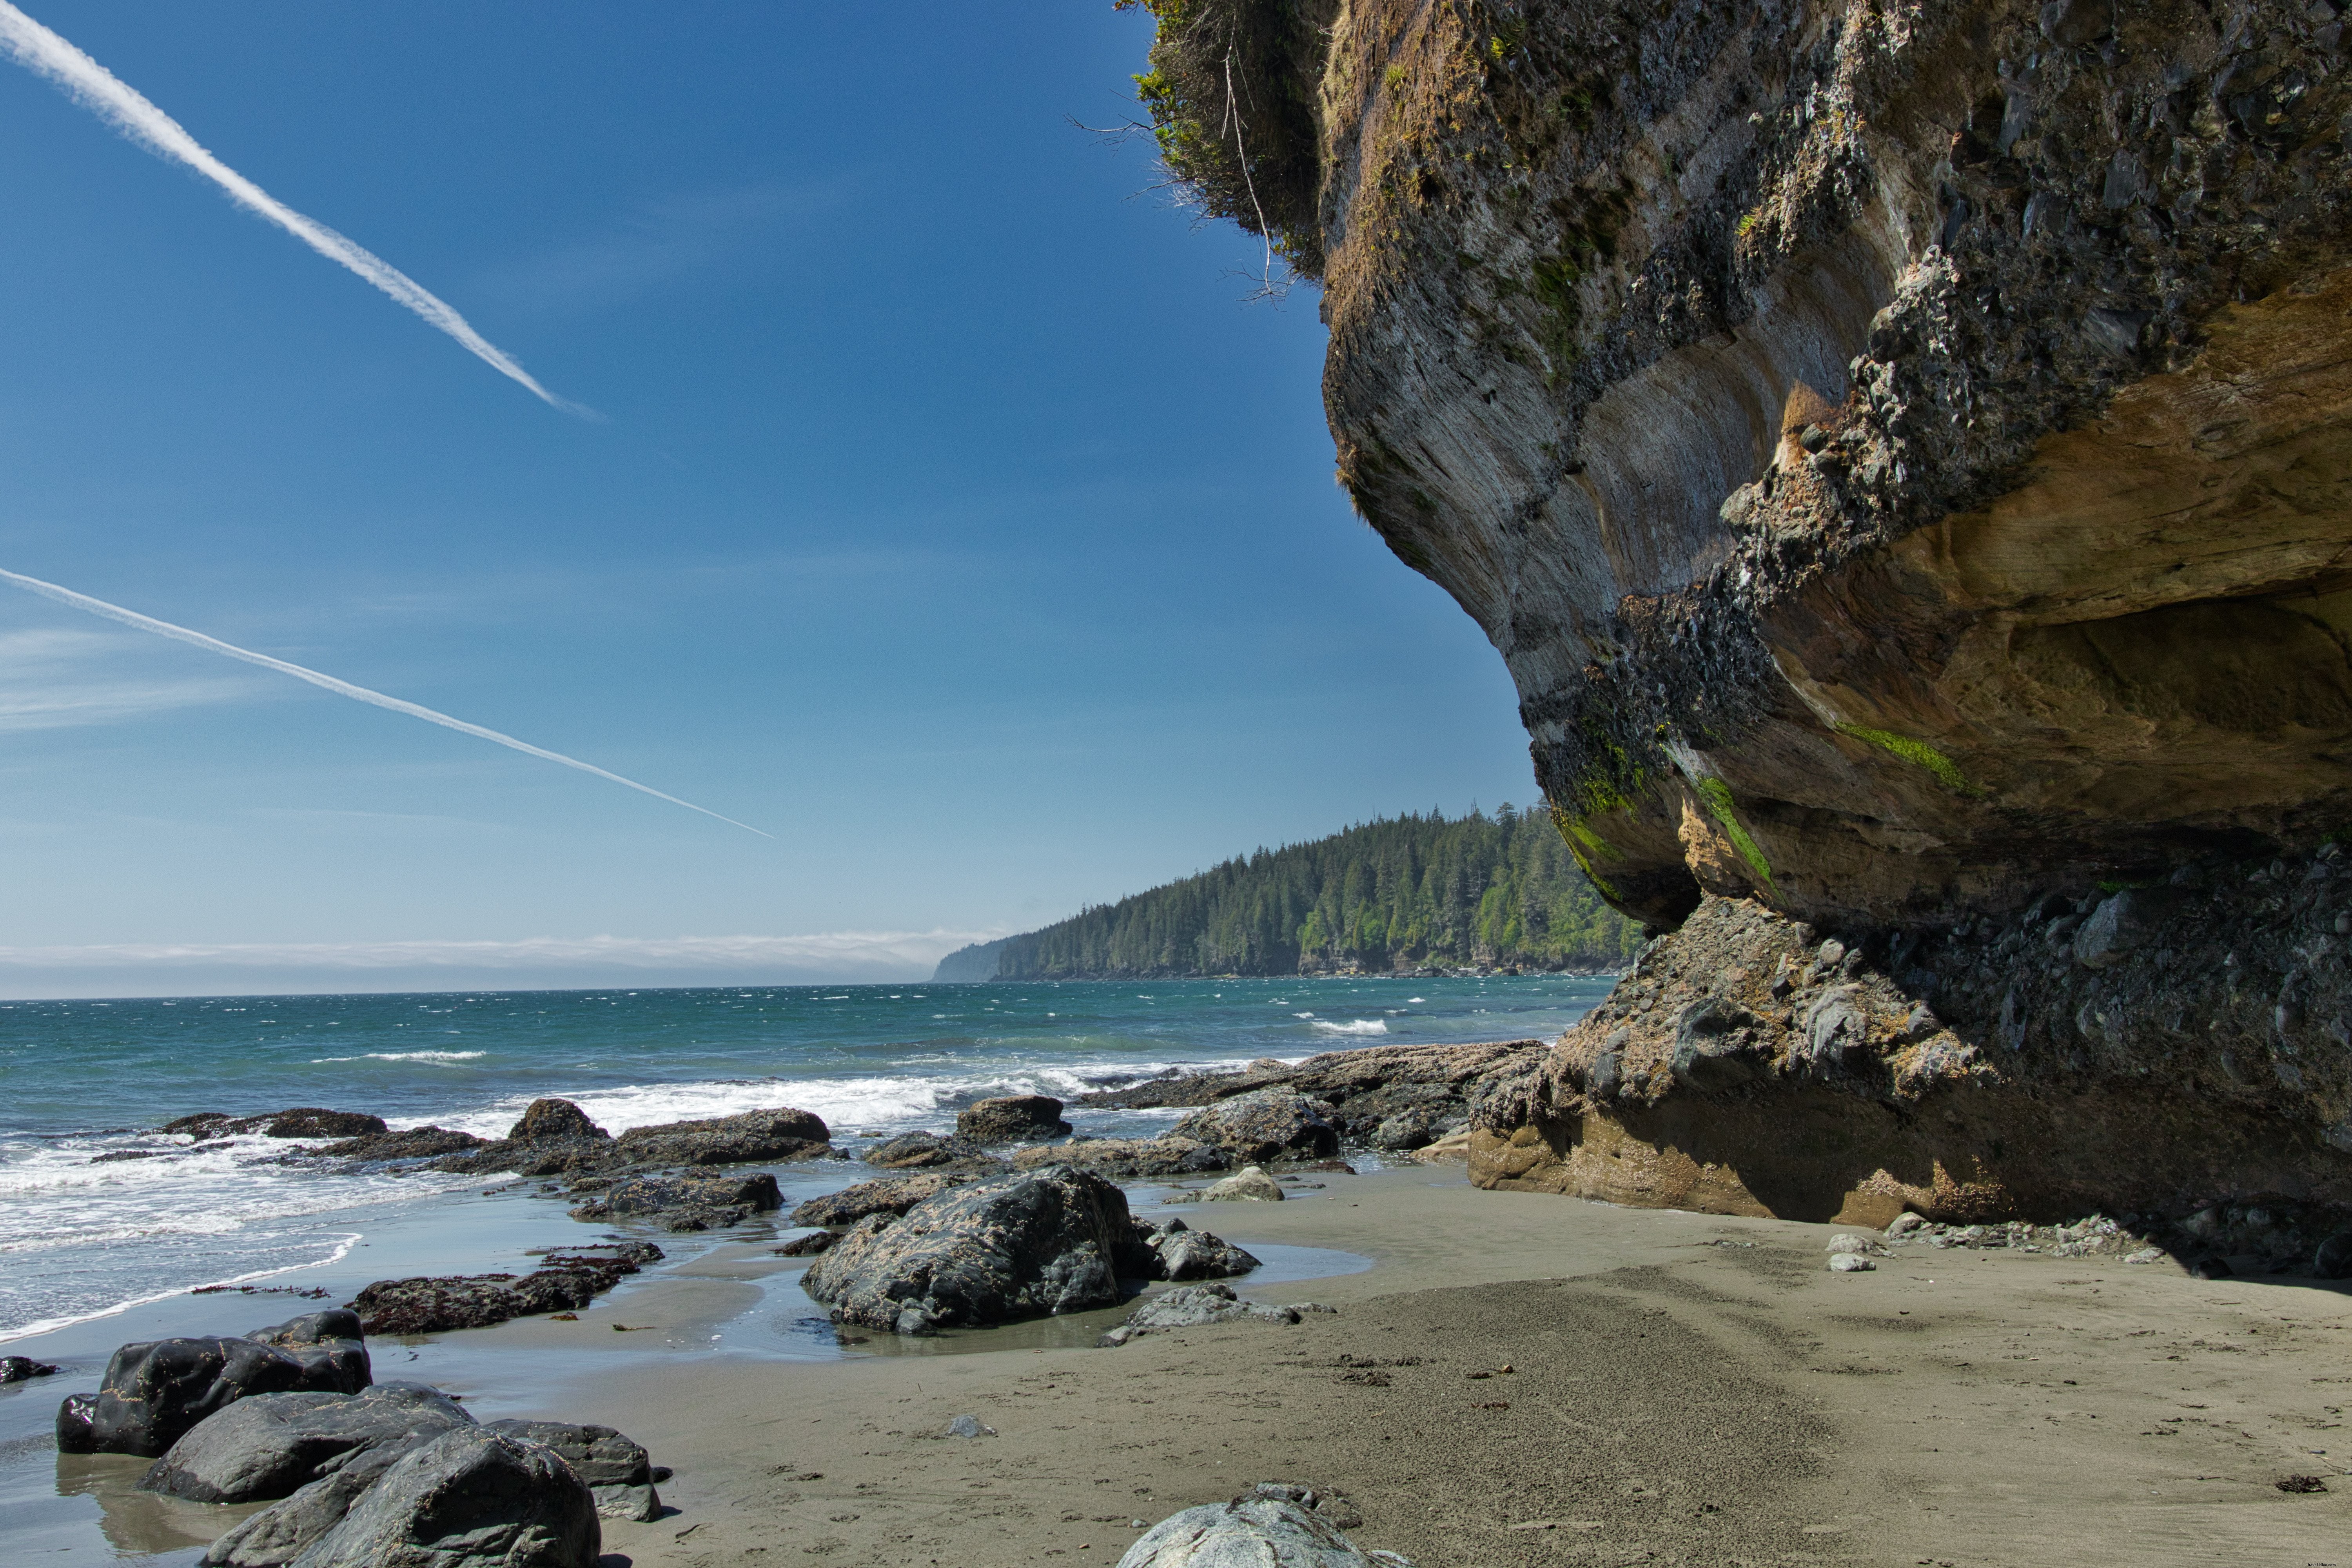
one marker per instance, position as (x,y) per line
(1265,1124)
(409,1144)
(17,1369)
(929,1151)
(548,1118)
(271,1446)
(889,1195)
(1012,1118)
(1176,1251)
(563,1282)
(154,1392)
(328,1344)
(303,1121)
(778,1134)
(1198,1306)
(808,1246)
(687,1202)
(1016,1246)
(1423,1090)
(469,1498)
(1128,1158)
(555,1137)
(618,1471)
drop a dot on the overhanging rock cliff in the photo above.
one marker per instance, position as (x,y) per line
(1904,454)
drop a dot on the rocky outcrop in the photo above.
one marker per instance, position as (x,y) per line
(556,1137)
(303,1121)
(1012,1119)
(1901,456)
(1173,1250)
(753,1135)
(2081,1057)
(932,1151)
(1124,1158)
(690,1201)
(470,1497)
(1022,1246)
(17,1369)
(1393,1096)
(271,1446)
(1264,1124)
(563,1282)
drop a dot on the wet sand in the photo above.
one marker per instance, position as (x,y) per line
(1682,1389)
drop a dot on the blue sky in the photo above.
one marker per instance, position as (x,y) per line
(951,516)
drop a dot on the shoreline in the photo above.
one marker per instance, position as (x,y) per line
(1696,1387)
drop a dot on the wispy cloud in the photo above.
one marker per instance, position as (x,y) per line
(340,688)
(59,679)
(98,89)
(667,239)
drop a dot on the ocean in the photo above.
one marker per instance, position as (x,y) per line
(84,1238)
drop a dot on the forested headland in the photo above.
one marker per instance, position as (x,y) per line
(1485,892)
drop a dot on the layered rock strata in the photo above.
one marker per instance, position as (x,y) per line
(1904,457)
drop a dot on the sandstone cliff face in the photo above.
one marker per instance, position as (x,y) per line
(1904,454)
(1900,451)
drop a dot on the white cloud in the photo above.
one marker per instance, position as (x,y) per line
(119,969)
(56,679)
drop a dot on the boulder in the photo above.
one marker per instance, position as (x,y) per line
(279,1534)
(1176,1251)
(18,1368)
(548,1118)
(563,1282)
(920,1151)
(1265,1124)
(2332,1260)
(1016,1246)
(271,1446)
(697,1200)
(328,1344)
(1251,1531)
(1126,1158)
(471,1497)
(778,1134)
(619,1472)
(154,1392)
(1248,1184)
(1717,1046)
(1012,1118)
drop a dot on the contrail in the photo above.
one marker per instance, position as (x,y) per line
(340,688)
(96,89)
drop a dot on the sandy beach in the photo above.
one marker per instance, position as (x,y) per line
(1683,1388)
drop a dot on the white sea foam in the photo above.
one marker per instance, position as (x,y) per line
(338,1249)
(405,1056)
(1354,1026)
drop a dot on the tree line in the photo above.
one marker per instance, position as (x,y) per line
(1482,891)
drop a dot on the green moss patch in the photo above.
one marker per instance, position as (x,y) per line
(1919,754)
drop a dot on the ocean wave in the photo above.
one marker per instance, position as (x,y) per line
(405,1056)
(1355,1027)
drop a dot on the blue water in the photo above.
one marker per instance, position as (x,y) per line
(85,1079)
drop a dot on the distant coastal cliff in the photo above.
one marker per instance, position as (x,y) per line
(1400,895)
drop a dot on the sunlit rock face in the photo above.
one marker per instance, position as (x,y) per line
(1900,452)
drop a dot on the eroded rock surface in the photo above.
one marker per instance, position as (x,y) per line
(1393,1096)
(563,1282)
(2080,1057)
(1012,1118)
(1904,458)
(270,1446)
(1022,1246)
(1264,1124)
